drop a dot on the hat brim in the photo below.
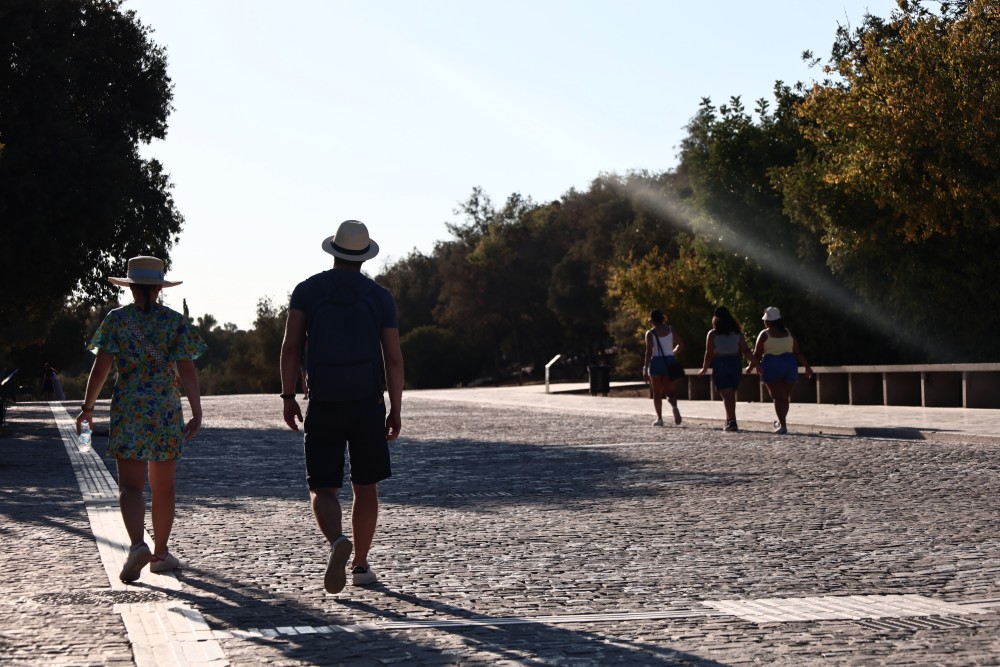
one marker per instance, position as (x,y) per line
(128,282)
(371,252)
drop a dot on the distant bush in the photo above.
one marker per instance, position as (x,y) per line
(74,386)
(436,358)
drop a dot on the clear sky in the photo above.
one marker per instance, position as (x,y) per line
(291,117)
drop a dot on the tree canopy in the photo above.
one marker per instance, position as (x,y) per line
(902,172)
(82,84)
(865,205)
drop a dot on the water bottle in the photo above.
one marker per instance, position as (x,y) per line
(83,442)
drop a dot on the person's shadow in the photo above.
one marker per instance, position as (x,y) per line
(227,604)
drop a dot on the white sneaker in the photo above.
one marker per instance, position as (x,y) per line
(138,558)
(164,563)
(362,575)
(335,577)
(658,422)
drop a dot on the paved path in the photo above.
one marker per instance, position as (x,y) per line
(531,529)
(871,420)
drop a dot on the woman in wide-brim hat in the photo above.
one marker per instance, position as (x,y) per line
(154,349)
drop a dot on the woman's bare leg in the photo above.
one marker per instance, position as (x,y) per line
(780,393)
(162,477)
(656,386)
(729,402)
(131,484)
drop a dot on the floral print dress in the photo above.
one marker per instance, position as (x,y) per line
(146,419)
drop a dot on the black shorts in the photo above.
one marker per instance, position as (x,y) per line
(358,427)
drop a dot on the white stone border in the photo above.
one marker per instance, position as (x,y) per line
(765,610)
(162,634)
(839,607)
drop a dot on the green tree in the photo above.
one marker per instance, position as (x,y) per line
(265,345)
(436,357)
(415,284)
(911,123)
(494,280)
(81,85)
(900,177)
(672,283)
(749,253)
(604,228)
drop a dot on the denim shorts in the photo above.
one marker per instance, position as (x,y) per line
(357,427)
(727,371)
(659,365)
(780,368)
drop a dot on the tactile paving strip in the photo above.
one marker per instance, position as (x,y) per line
(842,607)
(886,612)
(162,634)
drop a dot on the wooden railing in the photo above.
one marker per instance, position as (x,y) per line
(927,385)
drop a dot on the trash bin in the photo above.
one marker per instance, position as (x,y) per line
(600,380)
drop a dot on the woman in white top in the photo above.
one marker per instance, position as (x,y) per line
(663,344)
(725,348)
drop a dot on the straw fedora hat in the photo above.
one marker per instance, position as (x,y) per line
(144,270)
(351,242)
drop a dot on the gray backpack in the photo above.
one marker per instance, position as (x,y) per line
(343,349)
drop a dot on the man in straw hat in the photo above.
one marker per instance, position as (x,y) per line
(344,324)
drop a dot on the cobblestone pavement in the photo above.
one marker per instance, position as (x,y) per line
(531,535)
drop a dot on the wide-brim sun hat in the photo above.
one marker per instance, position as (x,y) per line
(144,270)
(771,314)
(351,242)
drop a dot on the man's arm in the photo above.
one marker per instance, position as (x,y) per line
(291,358)
(392,356)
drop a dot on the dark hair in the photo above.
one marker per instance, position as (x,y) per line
(657,316)
(778,324)
(147,293)
(724,323)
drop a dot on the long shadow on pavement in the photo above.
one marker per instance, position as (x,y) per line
(230,605)
(268,463)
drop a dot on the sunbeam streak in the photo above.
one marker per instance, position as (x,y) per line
(790,270)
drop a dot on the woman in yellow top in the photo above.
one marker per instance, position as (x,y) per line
(777,356)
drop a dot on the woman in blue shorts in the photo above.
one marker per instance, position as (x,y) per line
(725,348)
(661,367)
(778,357)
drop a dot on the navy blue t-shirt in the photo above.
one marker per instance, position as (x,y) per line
(312,290)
